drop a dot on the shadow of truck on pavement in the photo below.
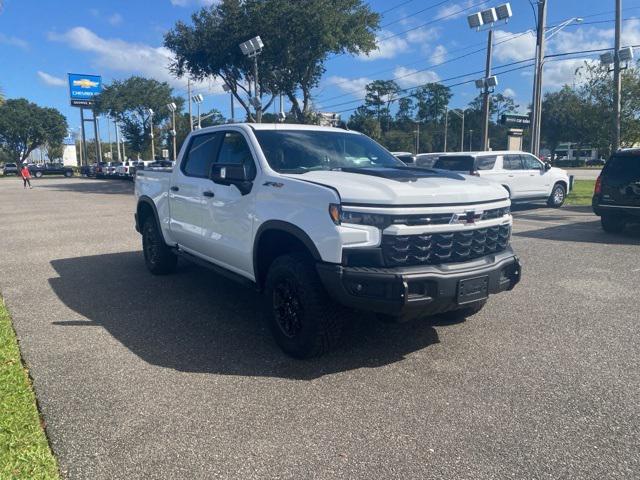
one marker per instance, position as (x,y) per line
(197,321)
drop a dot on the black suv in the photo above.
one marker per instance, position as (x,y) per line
(616,198)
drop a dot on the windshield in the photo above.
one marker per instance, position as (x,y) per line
(301,151)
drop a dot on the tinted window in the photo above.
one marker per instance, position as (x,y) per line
(456,163)
(202,153)
(235,150)
(512,162)
(405,158)
(624,167)
(531,163)
(485,162)
(300,151)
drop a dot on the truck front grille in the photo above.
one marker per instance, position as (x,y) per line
(435,248)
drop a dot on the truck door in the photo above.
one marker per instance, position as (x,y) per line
(538,179)
(228,217)
(188,189)
(513,175)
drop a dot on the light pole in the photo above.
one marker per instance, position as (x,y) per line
(252,48)
(227,89)
(470,142)
(153,145)
(488,17)
(172,108)
(446,125)
(461,115)
(198,99)
(543,34)
(417,137)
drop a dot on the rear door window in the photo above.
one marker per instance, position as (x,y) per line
(456,163)
(512,162)
(623,167)
(486,162)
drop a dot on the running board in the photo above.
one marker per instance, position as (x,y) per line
(217,269)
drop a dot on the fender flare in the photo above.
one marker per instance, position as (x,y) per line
(144,199)
(290,228)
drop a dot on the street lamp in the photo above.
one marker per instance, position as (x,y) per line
(461,115)
(198,99)
(227,89)
(417,131)
(153,145)
(252,48)
(172,108)
(476,20)
(543,34)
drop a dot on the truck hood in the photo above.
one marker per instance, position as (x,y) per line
(410,186)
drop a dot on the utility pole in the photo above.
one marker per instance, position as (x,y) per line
(115,126)
(537,83)
(617,78)
(446,125)
(487,94)
(462,134)
(470,138)
(417,138)
(257,90)
(109,137)
(189,98)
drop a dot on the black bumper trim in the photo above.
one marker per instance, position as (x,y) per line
(420,290)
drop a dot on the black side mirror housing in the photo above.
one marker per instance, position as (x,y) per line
(547,166)
(232,174)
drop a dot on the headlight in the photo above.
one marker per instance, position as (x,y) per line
(359,218)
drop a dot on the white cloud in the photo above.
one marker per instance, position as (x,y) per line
(455,10)
(51,80)
(354,86)
(13,41)
(423,34)
(133,58)
(509,47)
(388,47)
(559,73)
(438,54)
(409,77)
(509,92)
(114,19)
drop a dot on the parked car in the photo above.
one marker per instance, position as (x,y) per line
(127,169)
(321,219)
(41,170)
(616,197)
(10,169)
(405,157)
(595,162)
(88,170)
(524,176)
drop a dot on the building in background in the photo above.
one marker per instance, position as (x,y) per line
(69,154)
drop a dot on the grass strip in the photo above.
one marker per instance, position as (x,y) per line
(581,193)
(24,449)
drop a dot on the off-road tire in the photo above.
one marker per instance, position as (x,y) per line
(158,257)
(558,196)
(612,223)
(304,320)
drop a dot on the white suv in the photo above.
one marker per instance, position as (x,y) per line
(524,176)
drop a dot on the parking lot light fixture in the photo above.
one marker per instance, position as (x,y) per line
(172,108)
(252,48)
(198,99)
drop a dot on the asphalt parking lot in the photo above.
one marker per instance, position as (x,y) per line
(177,377)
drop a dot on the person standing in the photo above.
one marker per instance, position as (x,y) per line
(26,175)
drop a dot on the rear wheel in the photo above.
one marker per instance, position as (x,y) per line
(612,223)
(158,257)
(68,173)
(38,174)
(304,321)
(557,197)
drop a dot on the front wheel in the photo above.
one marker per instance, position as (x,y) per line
(612,223)
(38,174)
(304,321)
(158,257)
(557,197)
(68,173)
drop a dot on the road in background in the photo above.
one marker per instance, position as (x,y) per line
(177,377)
(584,173)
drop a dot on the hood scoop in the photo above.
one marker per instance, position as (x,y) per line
(402,174)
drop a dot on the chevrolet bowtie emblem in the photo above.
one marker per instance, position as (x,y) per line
(468,217)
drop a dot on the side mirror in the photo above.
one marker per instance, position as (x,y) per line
(547,166)
(232,174)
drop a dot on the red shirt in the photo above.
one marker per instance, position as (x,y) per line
(25,172)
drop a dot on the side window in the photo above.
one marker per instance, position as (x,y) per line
(512,162)
(485,162)
(202,153)
(235,149)
(531,163)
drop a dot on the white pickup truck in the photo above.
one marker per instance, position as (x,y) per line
(325,221)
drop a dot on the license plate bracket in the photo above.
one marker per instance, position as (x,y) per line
(473,289)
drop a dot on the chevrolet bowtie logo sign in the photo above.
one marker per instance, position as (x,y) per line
(468,217)
(85,83)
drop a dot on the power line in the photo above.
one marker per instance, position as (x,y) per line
(413,14)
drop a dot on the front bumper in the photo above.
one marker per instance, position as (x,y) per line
(419,290)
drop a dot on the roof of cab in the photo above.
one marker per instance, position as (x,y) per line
(281,126)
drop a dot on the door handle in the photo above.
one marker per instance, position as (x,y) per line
(209,194)
(174,189)
(510,176)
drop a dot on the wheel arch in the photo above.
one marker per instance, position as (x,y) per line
(275,238)
(146,208)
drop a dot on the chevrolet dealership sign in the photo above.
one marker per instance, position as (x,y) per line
(82,89)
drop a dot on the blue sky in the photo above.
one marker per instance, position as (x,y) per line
(42,40)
